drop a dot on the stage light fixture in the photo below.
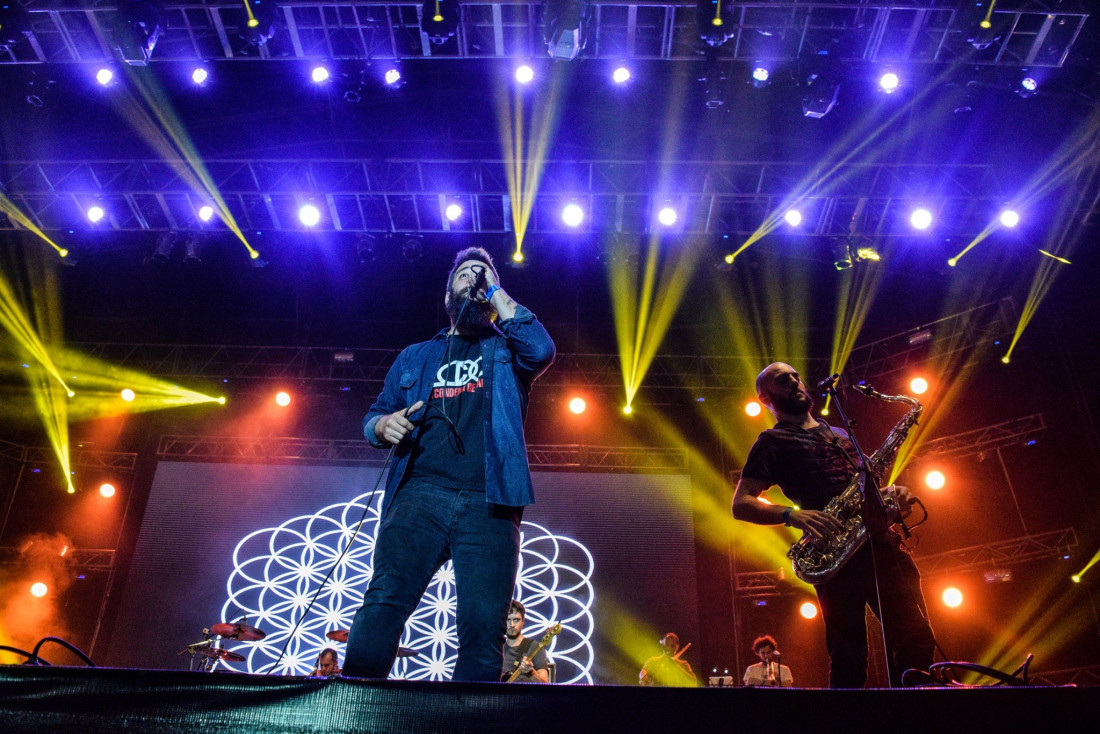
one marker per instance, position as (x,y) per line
(564,28)
(952,597)
(921,218)
(453,212)
(577,406)
(935,479)
(888,82)
(667,216)
(200,75)
(15,24)
(793,217)
(96,214)
(309,215)
(760,77)
(753,409)
(206,212)
(1009,218)
(163,248)
(715,21)
(104,76)
(393,78)
(127,395)
(1028,86)
(257,21)
(842,254)
(282,399)
(621,75)
(524,74)
(412,249)
(319,74)
(106,490)
(439,20)
(918,385)
(364,247)
(865,253)
(808,610)
(39,589)
(191,250)
(138,26)
(821,97)
(572,215)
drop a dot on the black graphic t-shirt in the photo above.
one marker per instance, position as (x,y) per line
(810,466)
(450,450)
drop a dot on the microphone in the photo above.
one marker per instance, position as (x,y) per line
(828,383)
(479,281)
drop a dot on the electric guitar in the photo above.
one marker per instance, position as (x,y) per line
(546,639)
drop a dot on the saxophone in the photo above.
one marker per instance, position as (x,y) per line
(816,560)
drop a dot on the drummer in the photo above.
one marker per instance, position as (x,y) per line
(328,663)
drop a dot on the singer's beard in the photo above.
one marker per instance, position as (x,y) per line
(476,316)
(796,404)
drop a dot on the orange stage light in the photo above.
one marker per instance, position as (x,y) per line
(935,479)
(282,398)
(577,406)
(107,489)
(808,610)
(38,589)
(918,385)
(753,408)
(952,597)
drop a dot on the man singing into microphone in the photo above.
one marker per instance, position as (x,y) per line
(768,672)
(812,462)
(454,408)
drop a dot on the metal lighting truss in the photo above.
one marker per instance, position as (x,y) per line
(1025,33)
(411,195)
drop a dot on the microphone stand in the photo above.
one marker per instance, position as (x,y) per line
(874,518)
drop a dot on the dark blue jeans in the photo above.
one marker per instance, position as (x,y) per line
(424,527)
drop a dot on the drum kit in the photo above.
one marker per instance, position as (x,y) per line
(206,651)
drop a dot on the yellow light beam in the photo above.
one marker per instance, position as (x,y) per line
(8,207)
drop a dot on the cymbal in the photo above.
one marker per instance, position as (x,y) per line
(217,652)
(338,635)
(242,632)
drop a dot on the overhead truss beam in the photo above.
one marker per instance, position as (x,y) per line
(904,31)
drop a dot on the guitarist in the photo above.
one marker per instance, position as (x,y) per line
(516,647)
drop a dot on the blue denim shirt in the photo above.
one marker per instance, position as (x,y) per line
(512,357)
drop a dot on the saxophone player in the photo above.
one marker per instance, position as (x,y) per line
(812,462)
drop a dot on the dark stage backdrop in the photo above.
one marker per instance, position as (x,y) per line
(609,555)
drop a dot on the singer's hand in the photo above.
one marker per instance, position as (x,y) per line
(484,281)
(393,428)
(817,523)
(905,499)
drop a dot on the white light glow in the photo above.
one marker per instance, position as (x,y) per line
(793,217)
(453,212)
(104,76)
(572,215)
(921,219)
(621,75)
(525,74)
(1009,218)
(206,213)
(667,216)
(309,215)
(319,74)
(96,213)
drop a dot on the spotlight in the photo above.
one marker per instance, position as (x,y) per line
(935,479)
(842,254)
(282,399)
(39,589)
(760,76)
(1028,87)
(206,212)
(257,21)
(412,249)
(577,406)
(107,490)
(105,77)
(918,385)
(439,20)
(200,75)
(868,253)
(128,395)
(138,27)
(997,576)
(364,248)
(808,610)
(163,249)
(921,219)
(793,217)
(393,78)
(453,212)
(1009,218)
(309,215)
(572,215)
(888,82)
(191,247)
(667,216)
(96,214)
(952,597)
(564,28)
(524,74)
(627,410)
(752,408)
(715,21)
(319,75)
(821,100)
(621,75)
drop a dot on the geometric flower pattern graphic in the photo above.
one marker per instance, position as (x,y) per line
(276,571)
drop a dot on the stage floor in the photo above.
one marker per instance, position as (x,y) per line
(47,699)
